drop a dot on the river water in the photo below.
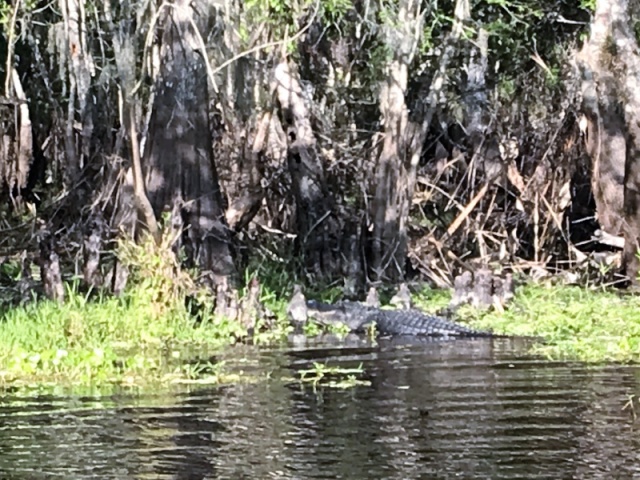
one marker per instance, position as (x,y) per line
(458,409)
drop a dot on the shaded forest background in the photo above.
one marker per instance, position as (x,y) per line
(340,142)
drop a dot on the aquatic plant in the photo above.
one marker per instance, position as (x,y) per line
(323,375)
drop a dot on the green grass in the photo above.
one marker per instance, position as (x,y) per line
(145,338)
(124,341)
(575,322)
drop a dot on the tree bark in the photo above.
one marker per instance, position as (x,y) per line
(79,63)
(316,227)
(610,69)
(606,130)
(403,140)
(179,153)
(391,196)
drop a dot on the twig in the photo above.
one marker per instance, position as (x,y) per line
(315,225)
(466,211)
(276,231)
(605,238)
(536,228)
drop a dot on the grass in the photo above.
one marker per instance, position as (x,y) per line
(125,340)
(576,322)
(146,337)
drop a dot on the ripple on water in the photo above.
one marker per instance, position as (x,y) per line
(455,409)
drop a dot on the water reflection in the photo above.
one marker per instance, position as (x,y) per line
(461,409)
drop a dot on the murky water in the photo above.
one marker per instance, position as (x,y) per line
(460,409)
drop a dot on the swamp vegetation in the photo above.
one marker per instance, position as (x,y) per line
(169,170)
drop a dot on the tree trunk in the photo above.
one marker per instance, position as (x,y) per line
(123,48)
(403,140)
(179,154)
(610,69)
(50,267)
(249,191)
(627,45)
(24,137)
(316,225)
(391,196)
(605,133)
(79,63)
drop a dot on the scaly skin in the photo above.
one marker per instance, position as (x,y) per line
(358,317)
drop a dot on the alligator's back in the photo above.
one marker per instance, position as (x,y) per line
(415,322)
(358,317)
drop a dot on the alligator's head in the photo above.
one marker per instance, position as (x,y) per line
(347,313)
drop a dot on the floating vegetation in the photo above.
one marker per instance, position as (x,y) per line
(322,375)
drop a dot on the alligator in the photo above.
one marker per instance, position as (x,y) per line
(358,317)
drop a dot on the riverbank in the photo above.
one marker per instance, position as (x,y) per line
(142,339)
(585,324)
(129,341)
(160,331)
